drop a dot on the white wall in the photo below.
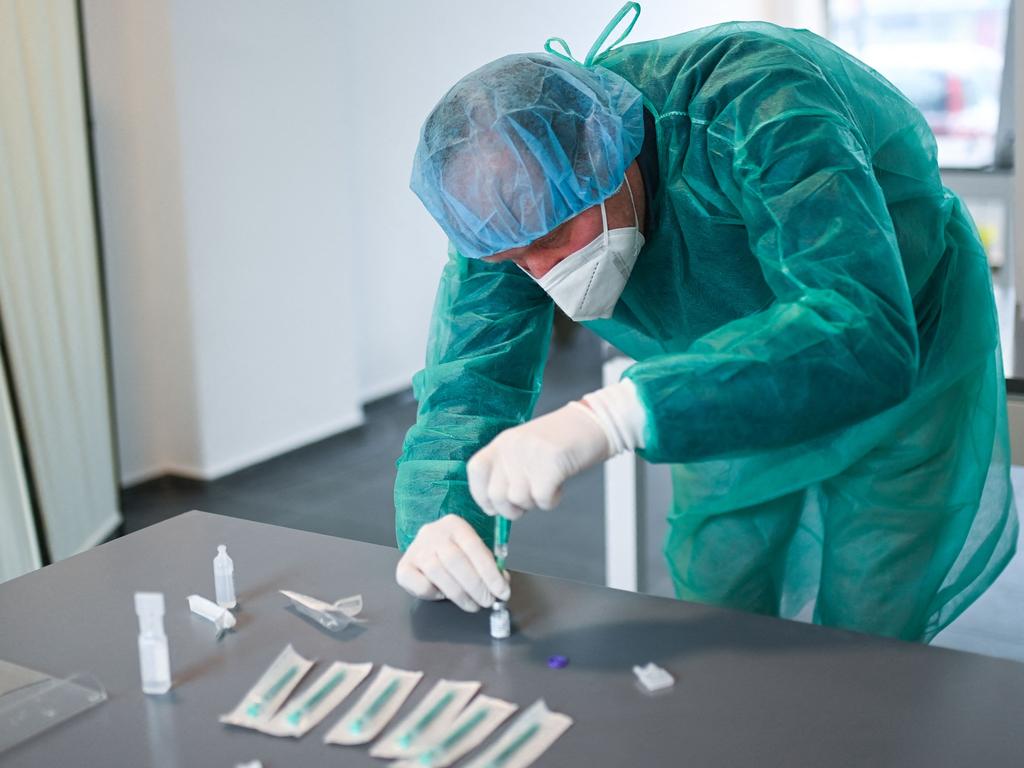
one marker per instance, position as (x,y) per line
(141,200)
(221,145)
(268,216)
(268,267)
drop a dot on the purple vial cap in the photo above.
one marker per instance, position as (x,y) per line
(558,662)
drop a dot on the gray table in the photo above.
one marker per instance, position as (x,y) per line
(750,691)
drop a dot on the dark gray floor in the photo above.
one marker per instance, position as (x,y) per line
(343,486)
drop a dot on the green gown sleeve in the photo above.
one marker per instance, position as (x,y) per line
(485,358)
(839,342)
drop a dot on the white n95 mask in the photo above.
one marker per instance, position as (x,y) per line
(587,284)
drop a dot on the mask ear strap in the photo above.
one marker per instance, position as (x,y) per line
(604,222)
(632,202)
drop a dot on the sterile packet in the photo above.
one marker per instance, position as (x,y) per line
(333,616)
(525,740)
(431,716)
(306,709)
(474,724)
(263,700)
(375,707)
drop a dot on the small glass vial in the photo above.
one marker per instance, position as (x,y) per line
(154,659)
(224,578)
(501,623)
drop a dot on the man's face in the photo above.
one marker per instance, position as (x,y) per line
(625,208)
(540,256)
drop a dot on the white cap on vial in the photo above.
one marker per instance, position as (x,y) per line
(149,607)
(149,603)
(223,559)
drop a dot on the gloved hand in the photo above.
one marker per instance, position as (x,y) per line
(447,559)
(525,466)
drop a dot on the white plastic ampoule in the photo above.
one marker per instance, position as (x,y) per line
(154,659)
(224,578)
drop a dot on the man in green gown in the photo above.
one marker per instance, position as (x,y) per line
(758,219)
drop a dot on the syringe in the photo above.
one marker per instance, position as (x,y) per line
(501,623)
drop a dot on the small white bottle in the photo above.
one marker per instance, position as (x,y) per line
(501,622)
(154,659)
(224,578)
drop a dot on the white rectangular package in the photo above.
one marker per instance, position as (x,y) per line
(525,740)
(375,707)
(474,724)
(432,716)
(318,700)
(263,700)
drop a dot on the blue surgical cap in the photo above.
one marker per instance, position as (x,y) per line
(521,145)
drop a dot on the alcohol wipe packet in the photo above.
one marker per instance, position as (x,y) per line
(263,700)
(306,709)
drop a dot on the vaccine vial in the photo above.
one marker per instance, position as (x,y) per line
(501,623)
(224,578)
(154,659)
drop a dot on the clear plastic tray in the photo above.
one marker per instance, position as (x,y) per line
(39,705)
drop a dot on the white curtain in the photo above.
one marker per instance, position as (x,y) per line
(50,300)
(19,551)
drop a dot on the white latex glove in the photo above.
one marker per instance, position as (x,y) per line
(525,466)
(447,559)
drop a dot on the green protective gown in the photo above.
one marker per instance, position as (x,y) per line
(816,337)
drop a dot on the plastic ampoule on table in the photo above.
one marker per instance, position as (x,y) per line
(154,658)
(224,578)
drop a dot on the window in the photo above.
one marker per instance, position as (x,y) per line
(945,55)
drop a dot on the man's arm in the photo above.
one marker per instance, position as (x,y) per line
(488,344)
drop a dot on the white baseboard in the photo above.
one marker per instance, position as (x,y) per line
(241,461)
(385,388)
(226,467)
(128,479)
